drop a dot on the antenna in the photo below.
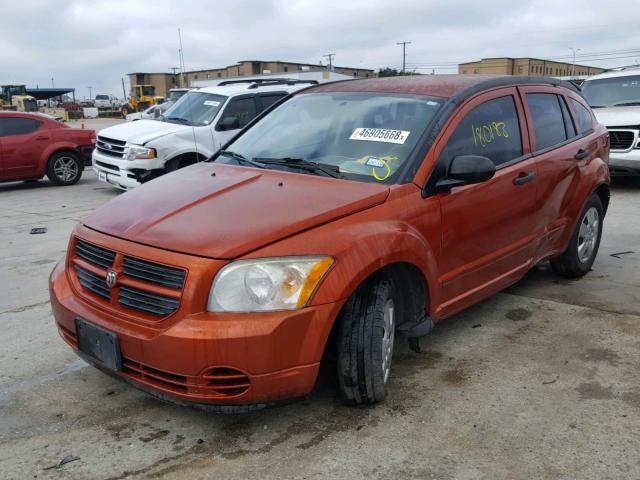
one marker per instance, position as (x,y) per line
(181,58)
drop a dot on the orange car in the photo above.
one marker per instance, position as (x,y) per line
(352,211)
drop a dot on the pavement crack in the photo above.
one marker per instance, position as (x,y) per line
(25,307)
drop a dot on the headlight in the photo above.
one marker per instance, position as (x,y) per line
(284,283)
(140,153)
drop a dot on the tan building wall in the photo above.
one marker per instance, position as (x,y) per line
(526,66)
(166,81)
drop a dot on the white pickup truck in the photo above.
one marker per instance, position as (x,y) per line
(192,130)
(614,97)
(107,102)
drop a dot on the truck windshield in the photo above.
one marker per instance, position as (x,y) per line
(148,91)
(361,136)
(102,97)
(612,92)
(195,109)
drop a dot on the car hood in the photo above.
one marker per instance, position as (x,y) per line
(231,213)
(141,131)
(618,116)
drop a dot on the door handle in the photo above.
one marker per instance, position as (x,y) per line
(582,154)
(42,137)
(522,179)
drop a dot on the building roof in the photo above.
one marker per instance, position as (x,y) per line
(47,93)
(527,58)
(444,86)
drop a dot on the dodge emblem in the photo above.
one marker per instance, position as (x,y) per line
(112,278)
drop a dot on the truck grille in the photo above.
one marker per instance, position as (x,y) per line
(111,147)
(151,288)
(621,139)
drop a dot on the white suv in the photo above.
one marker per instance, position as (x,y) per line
(614,97)
(192,130)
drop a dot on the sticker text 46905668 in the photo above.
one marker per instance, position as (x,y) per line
(380,135)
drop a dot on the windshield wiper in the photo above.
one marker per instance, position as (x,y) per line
(597,106)
(626,104)
(302,164)
(241,158)
(179,119)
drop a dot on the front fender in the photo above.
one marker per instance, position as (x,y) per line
(52,149)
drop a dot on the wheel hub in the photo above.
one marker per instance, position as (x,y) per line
(588,234)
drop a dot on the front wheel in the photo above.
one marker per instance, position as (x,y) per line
(64,168)
(365,342)
(578,258)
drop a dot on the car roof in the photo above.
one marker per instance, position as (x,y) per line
(625,72)
(240,88)
(443,86)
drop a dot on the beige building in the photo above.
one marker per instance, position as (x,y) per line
(527,66)
(166,81)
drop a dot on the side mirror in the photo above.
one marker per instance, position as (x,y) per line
(467,170)
(229,123)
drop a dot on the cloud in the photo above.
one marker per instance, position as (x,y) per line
(85,43)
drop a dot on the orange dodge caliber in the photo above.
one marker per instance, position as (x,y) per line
(348,214)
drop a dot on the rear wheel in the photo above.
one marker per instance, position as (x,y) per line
(583,248)
(64,168)
(365,342)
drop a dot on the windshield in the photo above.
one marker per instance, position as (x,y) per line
(102,97)
(195,109)
(148,91)
(174,96)
(363,136)
(612,92)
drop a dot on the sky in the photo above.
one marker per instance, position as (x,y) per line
(82,43)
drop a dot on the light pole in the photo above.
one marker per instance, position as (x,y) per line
(90,97)
(404,54)
(573,65)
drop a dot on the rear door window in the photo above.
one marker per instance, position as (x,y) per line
(547,119)
(267,100)
(244,109)
(583,116)
(491,130)
(10,126)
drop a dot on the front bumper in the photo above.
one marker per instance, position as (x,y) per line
(625,162)
(277,354)
(120,172)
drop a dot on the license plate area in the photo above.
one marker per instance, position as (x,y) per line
(102,176)
(99,344)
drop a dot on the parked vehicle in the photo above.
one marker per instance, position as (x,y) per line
(33,145)
(348,214)
(15,97)
(154,112)
(142,97)
(190,131)
(107,102)
(614,97)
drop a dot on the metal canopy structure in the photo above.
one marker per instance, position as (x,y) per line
(47,93)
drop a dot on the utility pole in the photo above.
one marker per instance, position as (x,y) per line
(573,66)
(90,97)
(330,57)
(52,85)
(181,58)
(404,53)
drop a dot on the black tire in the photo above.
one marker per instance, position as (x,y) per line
(64,168)
(579,256)
(361,333)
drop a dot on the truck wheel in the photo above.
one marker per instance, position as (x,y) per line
(64,168)
(365,342)
(578,258)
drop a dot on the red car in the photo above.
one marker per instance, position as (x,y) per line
(35,144)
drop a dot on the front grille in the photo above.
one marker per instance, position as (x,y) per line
(621,139)
(93,282)
(108,166)
(153,273)
(159,305)
(94,254)
(111,147)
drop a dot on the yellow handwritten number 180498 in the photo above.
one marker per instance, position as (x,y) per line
(488,132)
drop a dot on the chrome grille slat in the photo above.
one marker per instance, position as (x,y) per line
(110,146)
(154,273)
(92,282)
(96,255)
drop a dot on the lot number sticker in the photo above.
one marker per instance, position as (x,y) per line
(212,103)
(380,135)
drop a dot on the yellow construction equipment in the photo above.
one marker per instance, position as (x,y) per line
(15,97)
(142,97)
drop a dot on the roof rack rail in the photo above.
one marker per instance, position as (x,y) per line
(260,82)
(625,67)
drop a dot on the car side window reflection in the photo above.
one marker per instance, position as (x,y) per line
(17,126)
(491,130)
(583,116)
(244,109)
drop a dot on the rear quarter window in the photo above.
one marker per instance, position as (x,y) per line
(547,118)
(10,126)
(584,119)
